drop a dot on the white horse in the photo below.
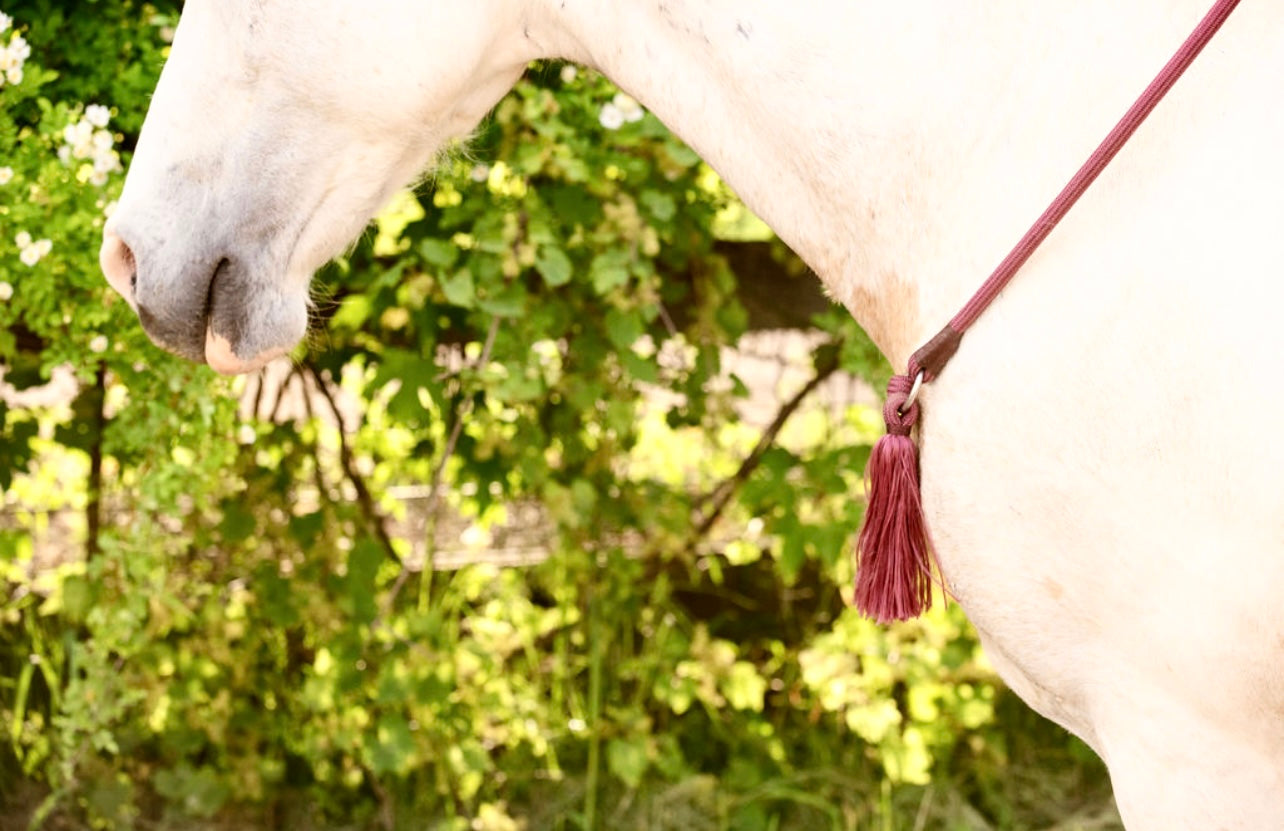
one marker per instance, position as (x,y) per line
(1102,462)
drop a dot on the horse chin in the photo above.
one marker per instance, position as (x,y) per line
(221,356)
(250,321)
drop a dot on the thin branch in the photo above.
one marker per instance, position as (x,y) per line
(462,411)
(720,496)
(280,393)
(666,319)
(261,380)
(369,510)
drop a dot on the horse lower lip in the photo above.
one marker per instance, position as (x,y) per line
(207,314)
(174,333)
(181,326)
(219,269)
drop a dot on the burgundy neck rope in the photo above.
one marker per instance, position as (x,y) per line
(894,574)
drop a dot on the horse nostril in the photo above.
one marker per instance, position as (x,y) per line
(118,265)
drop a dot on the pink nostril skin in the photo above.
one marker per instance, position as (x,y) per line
(117,263)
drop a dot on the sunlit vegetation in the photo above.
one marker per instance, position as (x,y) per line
(513,561)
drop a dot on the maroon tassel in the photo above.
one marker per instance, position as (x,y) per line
(894,572)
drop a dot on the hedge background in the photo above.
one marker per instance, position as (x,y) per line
(497,550)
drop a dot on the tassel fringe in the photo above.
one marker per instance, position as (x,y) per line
(894,570)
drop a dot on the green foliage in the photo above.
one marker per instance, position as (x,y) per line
(242,618)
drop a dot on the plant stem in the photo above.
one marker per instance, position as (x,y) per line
(94,507)
(595,709)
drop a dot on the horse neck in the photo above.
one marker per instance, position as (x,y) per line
(899,149)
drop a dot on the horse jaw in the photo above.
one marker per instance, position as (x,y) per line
(274,135)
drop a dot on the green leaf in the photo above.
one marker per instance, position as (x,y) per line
(393,747)
(660,205)
(627,760)
(238,522)
(609,270)
(553,265)
(583,496)
(363,567)
(439,252)
(682,155)
(744,688)
(276,597)
(353,312)
(641,369)
(459,289)
(624,327)
(574,206)
(305,528)
(509,301)
(77,597)
(793,553)
(874,721)
(364,560)
(198,791)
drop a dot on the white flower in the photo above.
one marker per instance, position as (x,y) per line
(97,115)
(6,291)
(19,48)
(107,163)
(246,434)
(676,354)
(31,250)
(6,175)
(5,22)
(644,347)
(81,138)
(109,209)
(568,73)
(548,353)
(98,344)
(475,537)
(611,118)
(628,107)
(86,140)
(480,173)
(12,58)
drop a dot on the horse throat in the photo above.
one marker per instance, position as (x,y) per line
(901,187)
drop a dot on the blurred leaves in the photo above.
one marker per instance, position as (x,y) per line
(541,336)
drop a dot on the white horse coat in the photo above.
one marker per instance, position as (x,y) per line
(1102,462)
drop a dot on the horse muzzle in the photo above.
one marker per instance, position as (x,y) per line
(206,309)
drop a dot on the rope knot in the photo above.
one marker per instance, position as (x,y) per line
(898,417)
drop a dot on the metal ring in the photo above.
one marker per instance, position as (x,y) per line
(913,393)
